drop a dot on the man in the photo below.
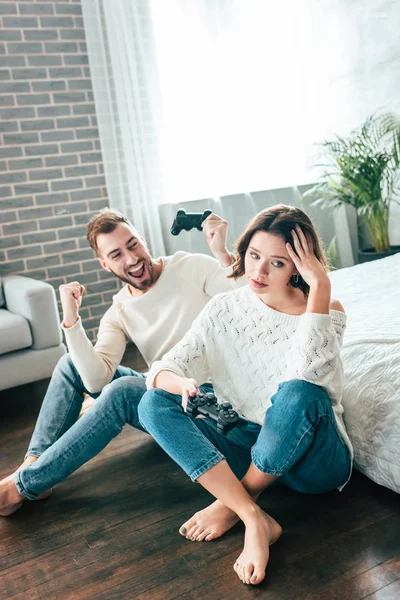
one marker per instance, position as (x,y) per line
(154,310)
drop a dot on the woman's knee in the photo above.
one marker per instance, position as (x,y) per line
(154,401)
(299,395)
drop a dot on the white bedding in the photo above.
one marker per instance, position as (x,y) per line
(370,294)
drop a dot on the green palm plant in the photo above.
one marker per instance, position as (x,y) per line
(363,170)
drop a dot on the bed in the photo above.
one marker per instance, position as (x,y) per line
(370,293)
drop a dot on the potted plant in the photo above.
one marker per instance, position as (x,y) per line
(363,170)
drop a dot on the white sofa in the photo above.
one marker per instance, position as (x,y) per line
(30,335)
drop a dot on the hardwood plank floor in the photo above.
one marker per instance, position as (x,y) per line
(110,531)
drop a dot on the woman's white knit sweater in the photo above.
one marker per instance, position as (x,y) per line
(248,349)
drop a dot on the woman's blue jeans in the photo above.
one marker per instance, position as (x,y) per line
(298,441)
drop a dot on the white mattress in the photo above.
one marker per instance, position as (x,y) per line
(370,294)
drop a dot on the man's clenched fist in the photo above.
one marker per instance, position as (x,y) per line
(71,300)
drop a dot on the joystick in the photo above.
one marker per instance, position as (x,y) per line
(188,221)
(223,414)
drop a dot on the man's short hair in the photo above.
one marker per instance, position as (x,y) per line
(105,221)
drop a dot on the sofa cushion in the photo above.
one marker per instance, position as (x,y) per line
(2,301)
(15,332)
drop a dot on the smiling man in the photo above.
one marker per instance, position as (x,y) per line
(155,308)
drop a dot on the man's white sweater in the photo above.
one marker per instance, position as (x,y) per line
(155,321)
(248,349)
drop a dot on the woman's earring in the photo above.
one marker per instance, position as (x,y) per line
(296,278)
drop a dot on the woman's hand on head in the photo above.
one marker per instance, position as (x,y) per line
(190,387)
(307,264)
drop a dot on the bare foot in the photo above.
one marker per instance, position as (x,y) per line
(87,403)
(261,532)
(210,523)
(28,461)
(10,499)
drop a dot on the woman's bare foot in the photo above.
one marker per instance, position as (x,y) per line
(261,532)
(28,461)
(209,523)
(10,499)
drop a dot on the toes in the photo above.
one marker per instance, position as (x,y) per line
(248,573)
(258,575)
(187,526)
(201,536)
(193,533)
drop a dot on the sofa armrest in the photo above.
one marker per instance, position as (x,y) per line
(36,301)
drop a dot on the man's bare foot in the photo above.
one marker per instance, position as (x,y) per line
(209,523)
(10,499)
(261,532)
(28,461)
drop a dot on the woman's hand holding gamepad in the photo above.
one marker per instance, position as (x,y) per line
(189,387)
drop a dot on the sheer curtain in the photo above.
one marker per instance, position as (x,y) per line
(207,98)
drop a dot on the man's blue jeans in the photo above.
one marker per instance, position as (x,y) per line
(298,441)
(62,442)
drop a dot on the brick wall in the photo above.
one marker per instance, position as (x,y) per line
(51,172)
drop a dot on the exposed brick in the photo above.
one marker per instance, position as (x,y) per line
(31,188)
(87,133)
(36,9)
(40,34)
(12,267)
(86,194)
(35,213)
(12,61)
(41,149)
(25,163)
(37,124)
(55,223)
(12,177)
(52,198)
(33,99)
(73,122)
(80,84)
(10,35)
(77,255)
(56,136)
(29,74)
(61,47)
(79,23)
(65,72)
(21,138)
(44,61)
(25,48)
(48,86)
(10,152)
(95,181)
(76,59)
(92,299)
(54,111)
(59,247)
(70,97)
(91,157)
(81,171)
(72,232)
(77,147)
(4,74)
(67,184)
(90,265)
(38,238)
(15,87)
(45,174)
(72,34)
(15,228)
(36,274)
(60,161)
(17,202)
(56,22)
(8,126)
(26,252)
(64,270)
(71,208)
(16,113)
(67,9)
(84,109)
(44,262)
(98,311)
(8,216)
(10,242)
(19,22)
(90,277)
(8,8)
(5,191)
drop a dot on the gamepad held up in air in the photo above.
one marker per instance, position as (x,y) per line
(188,221)
(223,414)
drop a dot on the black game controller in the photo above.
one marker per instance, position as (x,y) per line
(206,404)
(187,221)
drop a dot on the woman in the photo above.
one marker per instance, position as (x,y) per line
(272,350)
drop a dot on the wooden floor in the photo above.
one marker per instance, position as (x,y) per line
(110,531)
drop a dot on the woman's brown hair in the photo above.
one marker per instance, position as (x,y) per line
(279,220)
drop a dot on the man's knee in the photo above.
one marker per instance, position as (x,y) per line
(127,388)
(64,365)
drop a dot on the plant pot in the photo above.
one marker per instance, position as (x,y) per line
(370,254)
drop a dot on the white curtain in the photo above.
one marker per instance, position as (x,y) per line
(206,98)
